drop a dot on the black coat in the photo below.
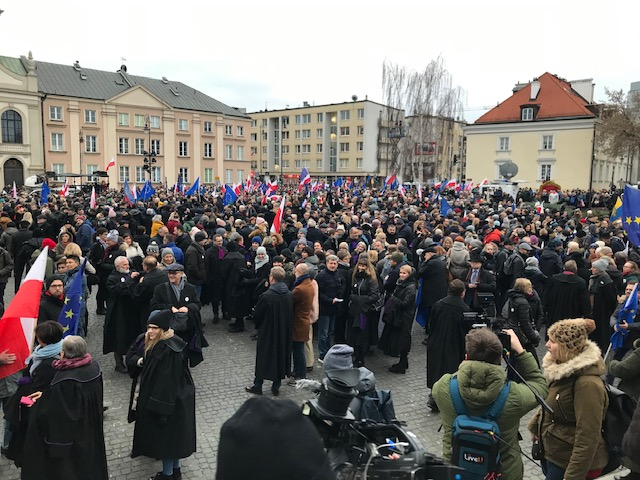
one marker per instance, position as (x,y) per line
(213,266)
(566,296)
(330,285)
(121,323)
(550,262)
(583,268)
(65,439)
(434,281)
(50,308)
(183,242)
(165,412)
(445,345)
(521,317)
(143,292)
(486,283)
(398,318)
(194,264)
(234,300)
(364,293)
(273,317)
(604,300)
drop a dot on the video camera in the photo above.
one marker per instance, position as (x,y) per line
(369,449)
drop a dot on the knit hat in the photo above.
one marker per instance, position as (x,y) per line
(261,250)
(256,239)
(47,242)
(532,262)
(220,231)
(572,334)
(260,220)
(113,235)
(153,248)
(263,428)
(167,251)
(161,319)
(49,280)
(600,265)
(339,357)
(278,259)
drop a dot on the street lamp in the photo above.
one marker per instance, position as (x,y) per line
(81,140)
(149,155)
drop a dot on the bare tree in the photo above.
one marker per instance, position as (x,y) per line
(431,100)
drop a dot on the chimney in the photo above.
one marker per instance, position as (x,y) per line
(535,89)
(584,88)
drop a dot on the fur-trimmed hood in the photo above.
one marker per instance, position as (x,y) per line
(589,362)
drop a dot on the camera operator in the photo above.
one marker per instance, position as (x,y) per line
(481,378)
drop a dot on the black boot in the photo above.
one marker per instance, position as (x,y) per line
(161,476)
(177,474)
(401,366)
(431,403)
(120,367)
(237,326)
(359,358)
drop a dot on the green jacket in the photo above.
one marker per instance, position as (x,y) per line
(628,370)
(480,383)
(572,437)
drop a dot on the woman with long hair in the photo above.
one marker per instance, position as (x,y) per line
(163,399)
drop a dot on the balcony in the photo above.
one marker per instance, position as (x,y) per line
(13,148)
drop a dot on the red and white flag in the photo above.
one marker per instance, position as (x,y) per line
(112,163)
(401,190)
(19,320)
(93,203)
(451,183)
(277,221)
(469,186)
(15,190)
(484,182)
(64,191)
(248,185)
(420,191)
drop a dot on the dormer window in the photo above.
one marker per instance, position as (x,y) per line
(527,114)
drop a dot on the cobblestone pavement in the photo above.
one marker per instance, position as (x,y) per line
(220,381)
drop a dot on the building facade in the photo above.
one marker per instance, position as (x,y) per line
(21,148)
(547,128)
(155,129)
(350,139)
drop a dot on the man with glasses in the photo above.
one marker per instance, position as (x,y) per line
(52,299)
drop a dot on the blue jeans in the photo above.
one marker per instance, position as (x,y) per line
(198,291)
(326,324)
(299,360)
(168,464)
(552,471)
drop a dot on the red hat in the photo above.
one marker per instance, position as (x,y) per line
(47,242)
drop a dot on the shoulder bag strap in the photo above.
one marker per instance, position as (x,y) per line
(496,409)
(456,398)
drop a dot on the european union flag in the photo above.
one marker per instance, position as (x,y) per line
(445,208)
(631,214)
(194,188)
(73,303)
(147,191)
(229,196)
(44,193)
(616,212)
(626,314)
(338,182)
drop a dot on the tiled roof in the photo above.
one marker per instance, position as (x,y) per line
(65,80)
(13,64)
(555,100)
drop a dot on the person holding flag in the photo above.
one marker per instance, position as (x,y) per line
(626,330)
(44,194)
(194,189)
(74,314)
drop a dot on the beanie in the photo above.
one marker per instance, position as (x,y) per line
(161,318)
(256,239)
(262,429)
(167,251)
(153,248)
(47,242)
(198,237)
(600,265)
(261,250)
(49,280)
(339,357)
(532,262)
(113,236)
(572,334)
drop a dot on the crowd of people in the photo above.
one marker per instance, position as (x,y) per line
(355,268)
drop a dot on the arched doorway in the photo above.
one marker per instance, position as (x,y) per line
(13,172)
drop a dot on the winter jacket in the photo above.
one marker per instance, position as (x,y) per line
(520,318)
(480,384)
(330,285)
(572,437)
(458,260)
(195,264)
(628,370)
(550,262)
(566,296)
(6,265)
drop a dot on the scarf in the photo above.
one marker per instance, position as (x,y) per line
(260,263)
(178,288)
(70,363)
(40,353)
(220,253)
(300,279)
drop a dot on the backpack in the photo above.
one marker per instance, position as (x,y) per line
(507,268)
(475,441)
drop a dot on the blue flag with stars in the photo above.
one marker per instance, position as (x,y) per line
(631,213)
(229,196)
(44,193)
(626,314)
(73,303)
(445,208)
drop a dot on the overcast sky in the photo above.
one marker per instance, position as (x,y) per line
(276,53)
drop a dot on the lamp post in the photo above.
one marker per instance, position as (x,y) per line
(149,155)
(81,141)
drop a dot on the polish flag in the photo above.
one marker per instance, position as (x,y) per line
(420,191)
(93,203)
(277,221)
(112,163)
(19,320)
(484,182)
(401,190)
(134,192)
(64,191)
(248,186)
(469,187)
(451,183)
(437,184)
(540,208)
(237,189)
(15,190)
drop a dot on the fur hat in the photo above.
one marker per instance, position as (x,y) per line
(572,334)
(161,319)
(339,357)
(600,265)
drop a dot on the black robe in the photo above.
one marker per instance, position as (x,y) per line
(398,317)
(121,324)
(165,412)
(273,316)
(213,263)
(604,302)
(65,439)
(445,345)
(363,295)
(565,296)
(143,293)
(234,301)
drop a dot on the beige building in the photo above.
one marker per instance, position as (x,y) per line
(350,139)
(547,129)
(154,128)
(21,149)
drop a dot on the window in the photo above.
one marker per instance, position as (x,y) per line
(344,147)
(11,127)
(319,164)
(285,163)
(545,172)
(89,116)
(527,114)
(124,173)
(183,125)
(92,169)
(254,150)
(123,146)
(298,133)
(55,113)
(504,144)
(140,175)
(208,175)
(361,113)
(344,131)
(228,176)
(306,118)
(156,174)
(265,122)
(306,148)
(320,117)
(265,136)
(239,131)
(264,150)
(154,121)
(359,163)
(345,114)
(58,168)
(254,137)
(184,174)
(360,146)
(183,149)
(254,123)
(285,135)
(297,164)
(240,174)
(56,142)
(360,130)
(155,147)
(208,150)
(208,127)
(547,142)
(320,133)
(298,148)
(228,129)
(344,163)
(138,120)
(139,146)
(298,119)
(285,149)
(306,133)
(228,152)
(319,148)
(240,151)
(123,119)
(285,122)
(91,144)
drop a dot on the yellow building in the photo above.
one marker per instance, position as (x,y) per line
(547,129)
(350,139)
